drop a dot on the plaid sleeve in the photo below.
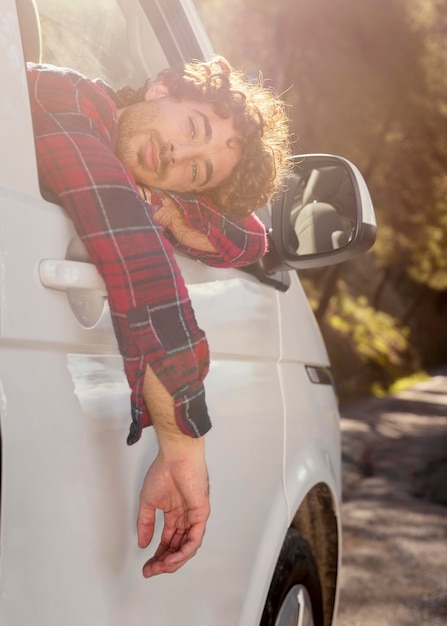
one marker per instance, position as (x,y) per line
(151,312)
(239,241)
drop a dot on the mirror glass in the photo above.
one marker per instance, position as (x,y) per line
(321,206)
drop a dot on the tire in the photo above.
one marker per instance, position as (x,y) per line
(295,596)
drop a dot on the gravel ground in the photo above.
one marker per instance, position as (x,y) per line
(395,509)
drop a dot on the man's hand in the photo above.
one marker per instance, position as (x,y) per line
(172,219)
(176,483)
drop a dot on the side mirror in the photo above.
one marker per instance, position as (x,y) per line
(324,217)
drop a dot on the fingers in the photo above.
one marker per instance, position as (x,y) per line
(173,554)
(178,488)
(168,562)
(145,525)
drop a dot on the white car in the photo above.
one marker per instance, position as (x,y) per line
(69,482)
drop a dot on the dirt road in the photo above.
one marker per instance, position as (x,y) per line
(395,509)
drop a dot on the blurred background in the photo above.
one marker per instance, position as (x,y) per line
(365,79)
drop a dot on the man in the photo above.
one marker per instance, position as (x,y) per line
(201,130)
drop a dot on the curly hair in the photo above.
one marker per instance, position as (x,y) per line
(259,119)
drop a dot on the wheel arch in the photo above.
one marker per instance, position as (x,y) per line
(317,520)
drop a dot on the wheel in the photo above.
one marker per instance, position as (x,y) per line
(294,597)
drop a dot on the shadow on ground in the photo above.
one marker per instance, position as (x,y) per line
(394,515)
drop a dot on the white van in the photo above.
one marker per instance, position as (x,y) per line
(69,482)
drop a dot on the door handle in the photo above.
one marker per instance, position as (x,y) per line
(85,289)
(65,275)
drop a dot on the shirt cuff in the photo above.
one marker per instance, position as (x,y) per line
(191,413)
(190,410)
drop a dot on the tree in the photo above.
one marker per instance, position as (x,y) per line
(365,80)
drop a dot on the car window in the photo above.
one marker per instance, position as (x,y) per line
(89,37)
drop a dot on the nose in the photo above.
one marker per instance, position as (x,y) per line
(180,152)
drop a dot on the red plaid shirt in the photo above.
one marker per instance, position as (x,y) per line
(75,126)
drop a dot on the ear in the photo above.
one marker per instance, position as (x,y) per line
(156,90)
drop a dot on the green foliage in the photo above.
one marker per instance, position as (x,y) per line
(428,253)
(368,350)
(408,382)
(375,334)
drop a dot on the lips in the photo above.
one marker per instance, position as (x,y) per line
(152,156)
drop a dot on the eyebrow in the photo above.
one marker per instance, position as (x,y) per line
(207,125)
(209,173)
(208,136)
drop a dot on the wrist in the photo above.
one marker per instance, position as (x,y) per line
(176,445)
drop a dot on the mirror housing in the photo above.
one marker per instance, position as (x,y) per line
(323,217)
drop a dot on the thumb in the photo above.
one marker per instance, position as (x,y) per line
(145,524)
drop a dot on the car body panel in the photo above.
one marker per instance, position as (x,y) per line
(14,104)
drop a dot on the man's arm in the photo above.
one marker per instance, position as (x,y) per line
(165,353)
(152,315)
(177,483)
(220,240)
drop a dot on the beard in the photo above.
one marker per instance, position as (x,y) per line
(135,128)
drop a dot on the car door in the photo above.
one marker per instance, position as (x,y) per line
(69,485)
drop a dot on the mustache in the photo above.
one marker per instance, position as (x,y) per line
(164,152)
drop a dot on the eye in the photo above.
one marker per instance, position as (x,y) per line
(195,171)
(192,128)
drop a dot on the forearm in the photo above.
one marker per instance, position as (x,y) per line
(160,404)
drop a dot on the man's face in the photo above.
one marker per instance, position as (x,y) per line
(178,146)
